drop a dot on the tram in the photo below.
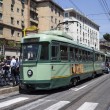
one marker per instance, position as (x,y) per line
(52,59)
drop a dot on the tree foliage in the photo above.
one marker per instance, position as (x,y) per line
(106,37)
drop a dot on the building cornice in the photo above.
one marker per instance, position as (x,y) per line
(73,10)
(51,1)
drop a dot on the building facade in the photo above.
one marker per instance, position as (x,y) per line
(15,16)
(83,30)
(50,14)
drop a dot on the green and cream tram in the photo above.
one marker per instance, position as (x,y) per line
(52,59)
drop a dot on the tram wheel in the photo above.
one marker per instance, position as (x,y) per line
(93,75)
(74,82)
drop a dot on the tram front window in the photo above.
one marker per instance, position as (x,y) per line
(30,51)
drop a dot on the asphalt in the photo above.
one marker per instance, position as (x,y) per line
(8,89)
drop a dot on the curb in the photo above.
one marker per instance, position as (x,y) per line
(9,90)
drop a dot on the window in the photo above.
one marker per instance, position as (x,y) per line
(76,54)
(44,52)
(30,52)
(72,57)
(22,23)
(59,13)
(18,10)
(12,20)
(55,11)
(55,20)
(64,52)
(80,55)
(52,8)
(55,52)
(12,7)
(1,0)
(12,32)
(1,29)
(23,1)
(51,18)
(18,22)
(1,4)
(66,15)
(51,27)
(22,12)
(0,16)
(18,34)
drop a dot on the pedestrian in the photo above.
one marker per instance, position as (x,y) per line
(13,70)
(17,71)
(6,68)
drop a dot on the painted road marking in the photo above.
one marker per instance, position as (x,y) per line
(58,105)
(33,105)
(77,89)
(9,102)
(88,106)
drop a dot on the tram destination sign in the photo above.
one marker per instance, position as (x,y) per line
(32,40)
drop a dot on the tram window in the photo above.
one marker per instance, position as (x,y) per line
(80,55)
(84,55)
(71,53)
(96,57)
(103,58)
(89,56)
(76,54)
(54,52)
(100,58)
(44,52)
(30,51)
(64,52)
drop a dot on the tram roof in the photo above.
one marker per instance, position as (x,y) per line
(56,35)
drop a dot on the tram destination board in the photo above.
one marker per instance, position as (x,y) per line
(31,40)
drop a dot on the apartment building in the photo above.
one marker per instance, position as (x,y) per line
(105,46)
(50,14)
(15,15)
(83,30)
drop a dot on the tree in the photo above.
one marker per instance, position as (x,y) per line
(106,37)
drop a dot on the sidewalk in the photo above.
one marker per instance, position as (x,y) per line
(8,89)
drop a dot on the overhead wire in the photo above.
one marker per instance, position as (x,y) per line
(105,7)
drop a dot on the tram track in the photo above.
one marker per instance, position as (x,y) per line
(31,98)
(82,95)
(43,94)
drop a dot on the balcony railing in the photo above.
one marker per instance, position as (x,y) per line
(34,20)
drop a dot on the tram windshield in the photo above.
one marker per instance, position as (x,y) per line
(29,52)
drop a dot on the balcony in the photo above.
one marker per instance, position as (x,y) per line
(33,9)
(35,20)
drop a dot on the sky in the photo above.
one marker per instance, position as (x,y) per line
(93,10)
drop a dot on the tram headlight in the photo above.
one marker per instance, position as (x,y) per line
(29,73)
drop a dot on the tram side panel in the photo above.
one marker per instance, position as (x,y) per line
(60,74)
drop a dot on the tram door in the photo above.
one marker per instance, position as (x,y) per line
(60,67)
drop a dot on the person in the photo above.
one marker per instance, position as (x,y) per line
(17,71)
(6,68)
(13,70)
(107,67)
